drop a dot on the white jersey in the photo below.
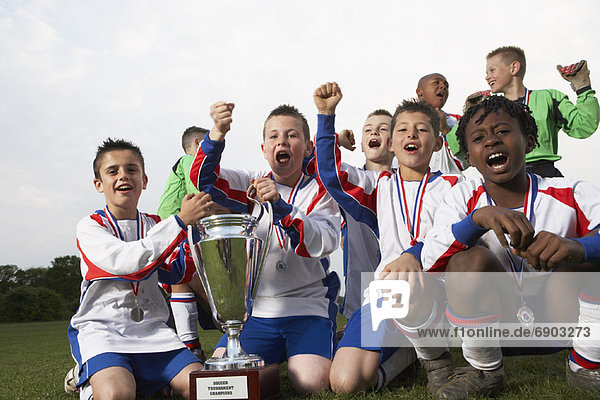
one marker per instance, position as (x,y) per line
(443,160)
(565,207)
(119,258)
(295,278)
(399,212)
(360,255)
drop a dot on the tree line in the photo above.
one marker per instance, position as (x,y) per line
(41,293)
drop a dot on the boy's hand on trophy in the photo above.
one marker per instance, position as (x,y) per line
(266,190)
(222,115)
(578,74)
(194,207)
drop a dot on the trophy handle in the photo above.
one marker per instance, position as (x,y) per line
(250,193)
(200,269)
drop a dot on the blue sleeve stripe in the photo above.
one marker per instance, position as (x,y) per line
(467,232)
(328,173)
(415,250)
(220,197)
(207,175)
(294,236)
(281,209)
(591,246)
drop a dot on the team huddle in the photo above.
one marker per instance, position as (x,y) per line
(443,201)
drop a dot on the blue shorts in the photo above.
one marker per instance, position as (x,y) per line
(152,371)
(276,339)
(359,323)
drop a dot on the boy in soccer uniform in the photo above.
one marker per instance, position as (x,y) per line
(179,183)
(433,89)
(360,245)
(385,201)
(545,219)
(187,311)
(294,313)
(551,109)
(119,336)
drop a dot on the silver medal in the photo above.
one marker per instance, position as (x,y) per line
(137,314)
(525,315)
(280,266)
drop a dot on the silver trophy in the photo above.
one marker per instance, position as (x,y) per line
(229,258)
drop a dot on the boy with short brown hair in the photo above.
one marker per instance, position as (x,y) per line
(359,244)
(179,183)
(294,313)
(398,207)
(189,304)
(119,336)
(551,109)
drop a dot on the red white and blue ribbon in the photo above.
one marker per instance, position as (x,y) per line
(528,203)
(117,232)
(413,226)
(281,236)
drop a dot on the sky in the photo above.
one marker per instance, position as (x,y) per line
(75,73)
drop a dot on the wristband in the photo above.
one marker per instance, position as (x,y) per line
(415,251)
(180,222)
(467,231)
(583,89)
(281,209)
(591,246)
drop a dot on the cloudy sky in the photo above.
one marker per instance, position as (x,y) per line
(75,72)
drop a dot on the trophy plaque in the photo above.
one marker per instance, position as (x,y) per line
(229,258)
(260,383)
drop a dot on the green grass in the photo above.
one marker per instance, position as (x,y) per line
(34,358)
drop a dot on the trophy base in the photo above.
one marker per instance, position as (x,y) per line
(260,383)
(229,363)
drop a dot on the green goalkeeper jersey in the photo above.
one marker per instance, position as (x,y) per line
(553,111)
(178,185)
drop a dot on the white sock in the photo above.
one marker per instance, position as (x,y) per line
(427,348)
(85,392)
(484,354)
(185,314)
(587,347)
(402,358)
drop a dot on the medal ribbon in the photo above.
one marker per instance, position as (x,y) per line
(117,232)
(115,226)
(414,227)
(281,236)
(134,289)
(528,203)
(526,98)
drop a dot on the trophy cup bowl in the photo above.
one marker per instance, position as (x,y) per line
(228,260)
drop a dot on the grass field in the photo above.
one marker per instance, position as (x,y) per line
(34,358)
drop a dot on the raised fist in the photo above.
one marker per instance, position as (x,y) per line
(221,113)
(578,74)
(346,139)
(327,97)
